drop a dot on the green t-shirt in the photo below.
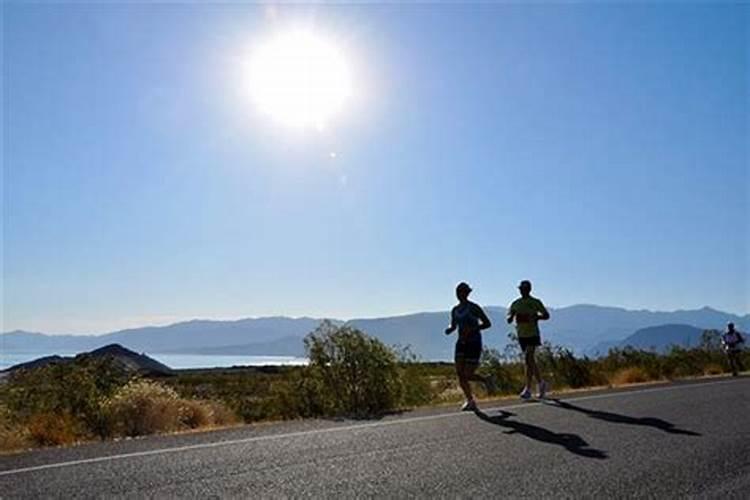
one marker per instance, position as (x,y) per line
(526,311)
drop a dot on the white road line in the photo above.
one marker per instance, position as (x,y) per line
(272,437)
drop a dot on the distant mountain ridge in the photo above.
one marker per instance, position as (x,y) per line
(581,327)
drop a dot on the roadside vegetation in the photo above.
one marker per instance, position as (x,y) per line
(349,374)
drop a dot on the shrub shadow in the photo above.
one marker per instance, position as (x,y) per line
(617,418)
(571,442)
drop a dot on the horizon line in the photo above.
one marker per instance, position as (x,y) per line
(363,318)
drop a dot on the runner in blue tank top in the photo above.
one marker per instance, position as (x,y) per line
(470,320)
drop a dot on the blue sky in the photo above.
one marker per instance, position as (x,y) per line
(598,150)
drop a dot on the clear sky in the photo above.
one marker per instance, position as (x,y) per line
(599,150)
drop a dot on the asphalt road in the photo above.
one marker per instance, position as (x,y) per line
(670,441)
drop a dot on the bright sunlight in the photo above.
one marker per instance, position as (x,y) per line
(299,78)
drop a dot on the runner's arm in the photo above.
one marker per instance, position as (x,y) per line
(485,322)
(543,312)
(511,314)
(452,327)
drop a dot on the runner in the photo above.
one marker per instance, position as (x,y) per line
(732,341)
(527,311)
(470,320)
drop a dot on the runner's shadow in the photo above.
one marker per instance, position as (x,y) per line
(571,442)
(617,418)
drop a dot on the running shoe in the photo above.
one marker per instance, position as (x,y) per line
(525,394)
(470,406)
(542,389)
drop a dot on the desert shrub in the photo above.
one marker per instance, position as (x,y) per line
(75,389)
(143,407)
(47,429)
(251,393)
(563,368)
(650,363)
(680,362)
(195,413)
(415,378)
(508,376)
(221,414)
(713,369)
(292,398)
(13,436)
(352,373)
(632,375)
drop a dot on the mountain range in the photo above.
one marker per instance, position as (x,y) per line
(587,329)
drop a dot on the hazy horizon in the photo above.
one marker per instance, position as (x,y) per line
(175,321)
(151,174)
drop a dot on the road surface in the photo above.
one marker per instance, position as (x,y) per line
(668,441)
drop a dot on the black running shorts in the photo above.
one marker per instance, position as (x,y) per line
(529,341)
(469,350)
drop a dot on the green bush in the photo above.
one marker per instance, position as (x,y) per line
(75,389)
(681,362)
(648,362)
(415,377)
(351,373)
(564,369)
(508,376)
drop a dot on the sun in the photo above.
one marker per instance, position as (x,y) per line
(299,78)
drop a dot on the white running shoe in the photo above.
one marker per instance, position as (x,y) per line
(542,389)
(469,406)
(525,394)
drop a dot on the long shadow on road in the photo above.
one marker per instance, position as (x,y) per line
(617,418)
(571,442)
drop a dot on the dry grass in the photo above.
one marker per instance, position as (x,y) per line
(145,407)
(197,414)
(46,429)
(713,369)
(632,375)
(221,415)
(14,438)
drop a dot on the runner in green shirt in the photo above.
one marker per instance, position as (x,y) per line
(527,311)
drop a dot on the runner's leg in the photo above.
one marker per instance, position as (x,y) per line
(531,369)
(733,362)
(463,381)
(534,366)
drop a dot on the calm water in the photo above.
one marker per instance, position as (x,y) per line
(174,360)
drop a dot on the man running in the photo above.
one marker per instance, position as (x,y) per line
(732,340)
(527,311)
(470,320)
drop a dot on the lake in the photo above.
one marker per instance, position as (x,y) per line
(178,361)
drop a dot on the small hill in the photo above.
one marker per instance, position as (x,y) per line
(128,360)
(38,363)
(661,338)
